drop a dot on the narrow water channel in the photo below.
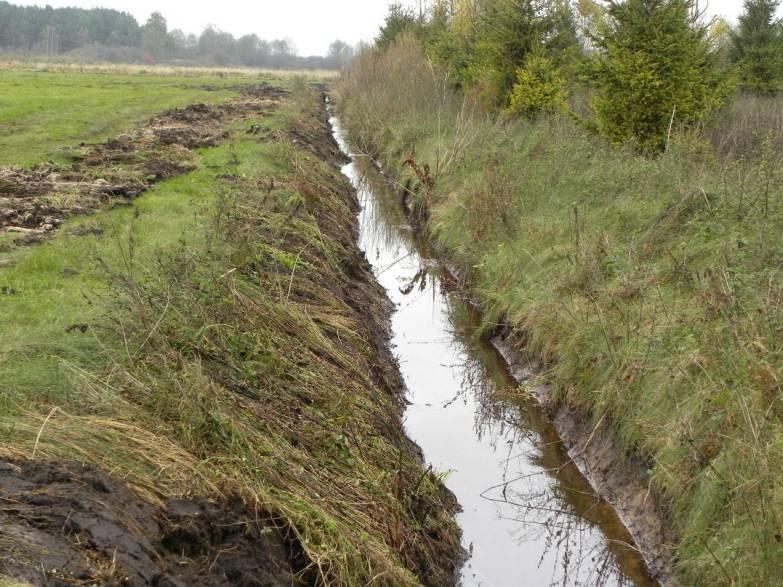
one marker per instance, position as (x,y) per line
(529,516)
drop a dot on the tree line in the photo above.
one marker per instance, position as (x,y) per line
(645,65)
(111,35)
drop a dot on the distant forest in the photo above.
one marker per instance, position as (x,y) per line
(101,34)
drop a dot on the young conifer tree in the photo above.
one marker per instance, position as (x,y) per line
(509,31)
(399,19)
(656,69)
(758,46)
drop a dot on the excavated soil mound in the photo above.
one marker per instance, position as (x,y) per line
(34,202)
(66,524)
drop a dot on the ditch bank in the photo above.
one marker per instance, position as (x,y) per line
(70,524)
(254,431)
(647,288)
(619,479)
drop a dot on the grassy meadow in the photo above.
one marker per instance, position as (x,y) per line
(649,291)
(200,341)
(61,283)
(44,113)
(48,108)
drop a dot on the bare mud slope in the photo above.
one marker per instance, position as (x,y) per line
(246,428)
(80,525)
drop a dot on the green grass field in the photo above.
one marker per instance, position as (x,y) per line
(44,113)
(64,282)
(60,283)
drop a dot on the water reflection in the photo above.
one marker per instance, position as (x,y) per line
(530,517)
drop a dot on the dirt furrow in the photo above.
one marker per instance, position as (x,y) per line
(35,201)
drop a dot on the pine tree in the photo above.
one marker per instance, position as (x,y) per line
(758,46)
(539,88)
(656,68)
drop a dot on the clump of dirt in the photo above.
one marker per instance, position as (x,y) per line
(263,90)
(68,524)
(312,138)
(35,202)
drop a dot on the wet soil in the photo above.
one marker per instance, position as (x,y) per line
(35,201)
(619,478)
(68,524)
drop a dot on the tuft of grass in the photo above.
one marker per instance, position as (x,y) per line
(649,291)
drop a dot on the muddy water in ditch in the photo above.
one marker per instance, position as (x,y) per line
(529,517)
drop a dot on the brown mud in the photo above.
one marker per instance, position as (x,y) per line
(34,202)
(67,524)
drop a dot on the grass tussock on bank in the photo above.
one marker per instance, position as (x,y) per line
(649,291)
(223,348)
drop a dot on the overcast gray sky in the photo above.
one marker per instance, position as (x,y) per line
(311,24)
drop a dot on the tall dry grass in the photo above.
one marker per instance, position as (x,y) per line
(748,126)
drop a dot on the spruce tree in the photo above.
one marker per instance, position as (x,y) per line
(758,46)
(399,19)
(509,31)
(656,69)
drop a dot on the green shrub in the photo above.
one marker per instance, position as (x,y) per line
(539,88)
(657,68)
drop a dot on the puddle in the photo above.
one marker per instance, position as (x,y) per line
(530,517)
